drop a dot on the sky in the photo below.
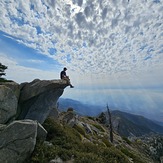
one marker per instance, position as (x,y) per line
(113,50)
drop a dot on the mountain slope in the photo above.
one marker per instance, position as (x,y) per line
(80,139)
(127,124)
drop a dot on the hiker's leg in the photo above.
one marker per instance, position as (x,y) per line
(71,86)
(68,82)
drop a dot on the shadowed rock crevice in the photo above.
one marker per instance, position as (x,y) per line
(43,105)
(24,107)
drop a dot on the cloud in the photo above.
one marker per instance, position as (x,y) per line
(24,74)
(35,61)
(109,37)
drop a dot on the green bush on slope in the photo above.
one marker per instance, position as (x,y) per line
(66,142)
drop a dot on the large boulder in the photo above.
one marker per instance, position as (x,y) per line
(15,87)
(17,141)
(38,98)
(8,104)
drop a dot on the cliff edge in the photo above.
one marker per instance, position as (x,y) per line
(34,100)
(38,99)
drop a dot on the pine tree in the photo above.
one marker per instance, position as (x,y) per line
(2,70)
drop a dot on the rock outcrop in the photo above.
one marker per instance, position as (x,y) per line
(23,108)
(39,98)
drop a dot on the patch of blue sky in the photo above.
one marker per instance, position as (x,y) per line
(20,11)
(18,21)
(39,15)
(125,40)
(161,51)
(52,51)
(73,9)
(75,49)
(141,33)
(32,7)
(150,50)
(10,45)
(143,47)
(42,63)
(84,45)
(54,42)
(24,55)
(148,57)
(80,56)
(5,36)
(38,29)
(66,58)
(156,1)
(43,3)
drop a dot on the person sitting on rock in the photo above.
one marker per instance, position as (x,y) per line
(65,77)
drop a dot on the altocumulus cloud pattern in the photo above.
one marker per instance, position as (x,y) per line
(110,36)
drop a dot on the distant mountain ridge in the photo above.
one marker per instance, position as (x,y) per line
(126,124)
(159,123)
(79,107)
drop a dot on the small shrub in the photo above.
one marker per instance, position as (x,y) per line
(70,109)
(53,128)
(99,127)
(113,155)
(92,118)
(106,142)
(80,129)
(42,153)
(88,158)
(127,140)
(135,158)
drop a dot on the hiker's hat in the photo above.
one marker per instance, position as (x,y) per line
(65,68)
